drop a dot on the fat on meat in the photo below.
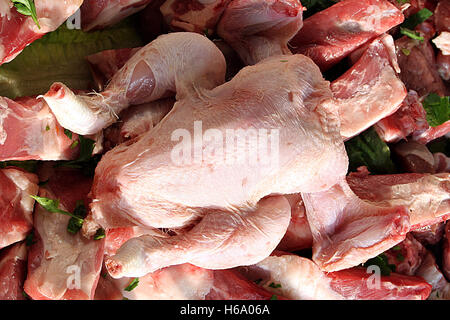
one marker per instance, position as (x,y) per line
(332,34)
(16,221)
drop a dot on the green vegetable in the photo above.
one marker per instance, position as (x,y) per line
(27,8)
(400,257)
(85,161)
(25,295)
(367,149)
(75,224)
(437,108)
(274,297)
(132,285)
(100,234)
(406,52)
(275,285)
(60,56)
(76,221)
(396,248)
(410,33)
(412,21)
(68,133)
(29,240)
(382,262)
(402,1)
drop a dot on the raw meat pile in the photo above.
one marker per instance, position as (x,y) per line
(173,212)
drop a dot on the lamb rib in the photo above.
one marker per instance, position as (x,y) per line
(332,34)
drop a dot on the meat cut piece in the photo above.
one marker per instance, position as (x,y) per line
(442,16)
(299,278)
(16,221)
(17,30)
(431,133)
(426,195)
(442,42)
(258,29)
(298,235)
(199,16)
(13,266)
(348,231)
(431,273)
(414,157)
(185,282)
(332,34)
(62,265)
(116,237)
(30,131)
(409,118)
(151,74)
(222,240)
(291,276)
(370,90)
(430,235)
(407,256)
(353,284)
(441,162)
(424,77)
(98,14)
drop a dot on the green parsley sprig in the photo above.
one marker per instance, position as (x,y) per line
(27,8)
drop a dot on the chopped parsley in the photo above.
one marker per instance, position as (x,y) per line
(275,285)
(132,285)
(411,34)
(76,221)
(406,52)
(274,297)
(400,257)
(367,149)
(437,108)
(68,133)
(382,262)
(27,8)
(412,21)
(100,234)
(29,240)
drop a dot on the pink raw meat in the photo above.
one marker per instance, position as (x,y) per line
(58,258)
(332,34)
(30,131)
(199,16)
(370,90)
(426,195)
(13,266)
(258,29)
(301,279)
(347,231)
(16,205)
(98,14)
